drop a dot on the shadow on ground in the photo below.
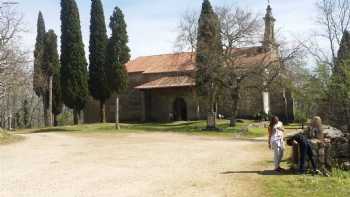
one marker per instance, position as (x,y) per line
(263,173)
(47,130)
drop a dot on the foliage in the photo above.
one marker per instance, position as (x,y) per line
(118,53)
(74,76)
(50,57)
(38,56)
(52,68)
(6,138)
(65,118)
(311,90)
(339,91)
(300,117)
(209,56)
(16,79)
(98,83)
(262,116)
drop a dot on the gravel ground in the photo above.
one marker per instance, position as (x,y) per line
(130,165)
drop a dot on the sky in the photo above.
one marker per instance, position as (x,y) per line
(152,24)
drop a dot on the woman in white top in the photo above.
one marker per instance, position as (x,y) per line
(276,142)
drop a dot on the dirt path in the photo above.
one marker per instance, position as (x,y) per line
(135,165)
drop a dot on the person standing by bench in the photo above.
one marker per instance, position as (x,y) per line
(276,141)
(305,150)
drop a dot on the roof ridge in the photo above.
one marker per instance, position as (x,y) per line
(188,52)
(164,54)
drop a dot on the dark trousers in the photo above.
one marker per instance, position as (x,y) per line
(305,150)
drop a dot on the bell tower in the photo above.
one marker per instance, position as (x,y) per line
(269,41)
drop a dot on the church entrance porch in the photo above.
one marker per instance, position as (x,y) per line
(180,110)
(166,105)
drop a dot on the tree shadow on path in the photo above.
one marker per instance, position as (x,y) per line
(263,173)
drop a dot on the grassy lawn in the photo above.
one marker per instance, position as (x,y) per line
(6,138)
(291,185)
(338,185)
(192,128)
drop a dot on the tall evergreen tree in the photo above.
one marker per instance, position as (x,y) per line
(57,103)
(343,55)
(51,60)
(50,67)
(74,76)
(209,57)
(52,71)
(40,79)
(340,85)
(98,83)
(38,56)
(118,54)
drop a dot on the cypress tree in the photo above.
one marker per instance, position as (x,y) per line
(38,56)
(51,61)
(118,54)
(343,54)
(52,70)
(340,85)
(209,57)
(98,84)
(57,103)
(39,77)
(73,62)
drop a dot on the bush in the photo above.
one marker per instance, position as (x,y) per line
(300,117)
(262,116)
(66,118)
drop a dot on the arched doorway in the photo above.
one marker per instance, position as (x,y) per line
(180,110)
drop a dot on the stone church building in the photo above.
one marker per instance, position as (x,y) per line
(162,88)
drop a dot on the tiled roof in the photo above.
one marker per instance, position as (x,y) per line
(162,63)
(169,82)
(180,62)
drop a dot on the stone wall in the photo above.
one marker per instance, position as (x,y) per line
(331,152)
(157,104)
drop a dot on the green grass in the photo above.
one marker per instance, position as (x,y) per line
(191,127)
(338,185)
(292,185)
(6,138)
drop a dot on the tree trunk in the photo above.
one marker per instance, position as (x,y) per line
(46,113)
(117,126)
(55,121)
(235,96)
(211,117)
(50,102)
(233,119)
(76,117)
(285,103)
(10,122)
(102,111)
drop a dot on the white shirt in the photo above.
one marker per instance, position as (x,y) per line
(277,135)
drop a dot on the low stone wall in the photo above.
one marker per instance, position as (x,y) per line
(332,151)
